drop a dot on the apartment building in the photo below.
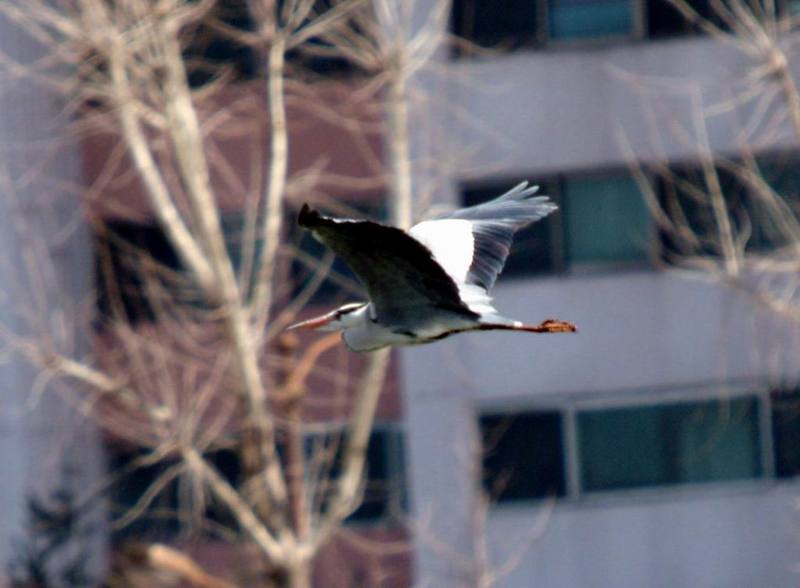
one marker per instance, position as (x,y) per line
(657,447)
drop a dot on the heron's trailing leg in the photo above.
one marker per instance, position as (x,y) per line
(547,326)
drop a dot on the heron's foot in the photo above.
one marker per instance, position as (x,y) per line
(556,326)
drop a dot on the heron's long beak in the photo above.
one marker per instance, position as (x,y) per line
(312,323)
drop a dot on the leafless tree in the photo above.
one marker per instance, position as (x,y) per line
(212,370)
(733,217)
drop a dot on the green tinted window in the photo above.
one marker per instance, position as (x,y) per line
(669,444)
(586,19)
(606,219)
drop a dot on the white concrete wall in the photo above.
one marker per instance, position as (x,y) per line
(733,538)
(638,329)
(641,333)
(555,110)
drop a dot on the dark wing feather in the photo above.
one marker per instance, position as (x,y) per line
(402,279)
(493,226)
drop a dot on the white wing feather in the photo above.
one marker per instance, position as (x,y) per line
(451,243)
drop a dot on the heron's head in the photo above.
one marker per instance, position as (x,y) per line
(346,316)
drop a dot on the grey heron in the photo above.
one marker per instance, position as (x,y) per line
(432,281)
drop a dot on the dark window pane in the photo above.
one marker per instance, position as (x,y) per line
(384,492)
(245,247)
(665,21)
(523,455)
(134,262)
(534,249)
(319,58)
(786,432)
(685,197)
(229,465)
(317,54)
(376,502)
(126,256)
(208,50)
(757,217)
(159,521)
(685,209)
(606,220)
(775,209)
(782,173)
(490,23)
(586,19)
(669,444)
(384,486)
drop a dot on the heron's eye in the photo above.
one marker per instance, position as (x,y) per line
(347,309)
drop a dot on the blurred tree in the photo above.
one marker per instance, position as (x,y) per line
(733,216)
(208,370)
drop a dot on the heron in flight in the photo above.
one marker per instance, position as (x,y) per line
(432,281)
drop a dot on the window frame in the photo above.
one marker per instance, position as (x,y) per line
(112,250)
(537,41)
(640,32)
(542,40)
(571,404)
(662,249)
(169,526)
(684,397)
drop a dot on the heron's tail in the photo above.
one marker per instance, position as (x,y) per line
(547,326)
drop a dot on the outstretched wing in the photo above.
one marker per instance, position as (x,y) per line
(403,281)
(472,243)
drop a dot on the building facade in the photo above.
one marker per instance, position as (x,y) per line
(653,448)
